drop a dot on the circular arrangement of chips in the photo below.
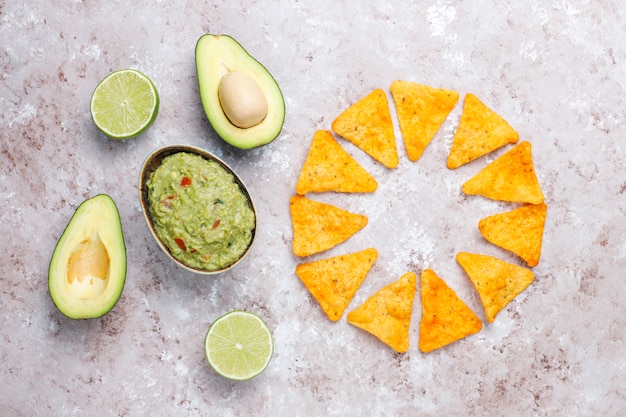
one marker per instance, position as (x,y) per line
(318,226)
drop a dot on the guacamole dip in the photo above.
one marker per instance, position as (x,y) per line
(199,211)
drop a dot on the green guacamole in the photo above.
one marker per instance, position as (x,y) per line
(199,211)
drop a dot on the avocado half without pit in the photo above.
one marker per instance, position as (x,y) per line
(88,266)
(240,97)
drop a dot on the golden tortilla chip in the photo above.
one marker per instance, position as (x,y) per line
(421,111)
(319,226)
(334,281)
(511,177)
(367,124)
(497,282)
(479,132)
(387,313)
(445,317)
(328,167)
(519,231)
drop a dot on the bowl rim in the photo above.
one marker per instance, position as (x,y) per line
(151,163)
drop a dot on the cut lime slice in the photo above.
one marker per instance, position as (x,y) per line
(124,104)
(239,345)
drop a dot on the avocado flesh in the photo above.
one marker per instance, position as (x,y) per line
(217,55)
(88,266)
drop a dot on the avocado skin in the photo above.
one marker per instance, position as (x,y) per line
(99,212)
(218,54)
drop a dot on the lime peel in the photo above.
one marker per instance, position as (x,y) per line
(124,104)
(239,345)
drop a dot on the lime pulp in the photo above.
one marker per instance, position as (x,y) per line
(239,345)
(124,104)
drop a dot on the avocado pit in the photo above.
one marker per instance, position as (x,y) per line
(242,100)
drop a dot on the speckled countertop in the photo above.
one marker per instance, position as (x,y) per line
(555,70)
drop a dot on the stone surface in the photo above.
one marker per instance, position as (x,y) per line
(555,70)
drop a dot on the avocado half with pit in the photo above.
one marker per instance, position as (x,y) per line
(88,267)
(240,97)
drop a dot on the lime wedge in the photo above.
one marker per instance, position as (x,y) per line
(124,104)
(239,345)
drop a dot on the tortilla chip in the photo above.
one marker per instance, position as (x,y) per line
(328,167)
(519,231)
(497,282)
(421,110)
(334,281)
(387,313)
(319,226)
(367,124)
(511,177)
(445,317)
(479,132)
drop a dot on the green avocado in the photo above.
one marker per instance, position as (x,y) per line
(240,97)
(88,266)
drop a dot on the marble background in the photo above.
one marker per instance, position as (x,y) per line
(554,69)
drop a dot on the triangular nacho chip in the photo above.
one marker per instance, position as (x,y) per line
(328,167)
(367,124)
(497,282)
(511,177)
(519,231)
(334,281)
(387,313)
(421,110)
(319,226)
(479,132)
(445,317)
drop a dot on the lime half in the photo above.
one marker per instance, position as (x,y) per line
(239,345)
(124,104)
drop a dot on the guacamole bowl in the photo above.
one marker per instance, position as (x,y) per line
(197,209)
